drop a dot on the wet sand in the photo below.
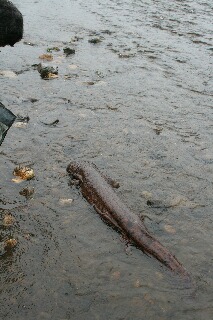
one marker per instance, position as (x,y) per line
(139,105)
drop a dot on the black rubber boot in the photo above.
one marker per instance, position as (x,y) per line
(11,24)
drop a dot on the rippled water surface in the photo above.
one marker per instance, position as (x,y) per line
(139,105)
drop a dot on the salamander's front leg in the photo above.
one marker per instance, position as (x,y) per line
(108,218)
(112,182)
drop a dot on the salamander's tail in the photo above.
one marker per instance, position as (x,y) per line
(147,243)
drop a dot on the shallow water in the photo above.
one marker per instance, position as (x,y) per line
(139,105)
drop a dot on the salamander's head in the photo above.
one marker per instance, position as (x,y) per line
(73,168)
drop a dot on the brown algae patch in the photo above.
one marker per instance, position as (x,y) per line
(47,57)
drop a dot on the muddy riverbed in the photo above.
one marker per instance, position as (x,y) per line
(135,99)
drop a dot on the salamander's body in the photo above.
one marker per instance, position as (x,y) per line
(96,188)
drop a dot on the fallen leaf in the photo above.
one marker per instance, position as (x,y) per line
(23,173)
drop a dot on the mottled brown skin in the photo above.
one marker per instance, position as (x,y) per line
(97,189)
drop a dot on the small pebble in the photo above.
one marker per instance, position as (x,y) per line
(8,220)
(137,284)
(65,201)
(168,228)
(11,243)
(116,275)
